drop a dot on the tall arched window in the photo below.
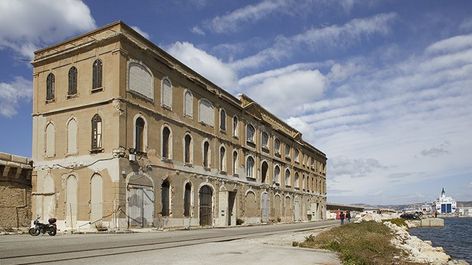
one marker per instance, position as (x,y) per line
(188,150)
(165,198)
(50,140)
(96,132)
(72,136)
(287,151)
(206,154)
(250,167)
(296,183)
(264,170)
(297,156)
(277,175)
(222,159)
(50,86)
(235,126)
(188,104)
(139,134)
(277,146)
(187,199)
(287,178)
(206,112)
(265,140)
(97,75)
(303,183)
(250,130)
(223,120)
(72,89)
(235,162)
(166,143)
(166,99)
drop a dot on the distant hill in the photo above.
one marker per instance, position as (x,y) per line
(406,206)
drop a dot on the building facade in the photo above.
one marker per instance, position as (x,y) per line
(125,135)
(15,191)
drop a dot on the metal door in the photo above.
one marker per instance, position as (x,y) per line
(140,206)
(205,206)
(265,207)
(297,210)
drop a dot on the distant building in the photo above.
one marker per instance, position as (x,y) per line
(464,208)
(444,204)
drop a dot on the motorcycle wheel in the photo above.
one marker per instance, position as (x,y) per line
(33,231)
(52,231)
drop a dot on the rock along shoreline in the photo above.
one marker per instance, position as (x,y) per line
(417,250)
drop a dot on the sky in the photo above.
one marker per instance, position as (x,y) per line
(384,88)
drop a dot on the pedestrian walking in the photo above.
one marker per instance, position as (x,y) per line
(341,216)
(348,216)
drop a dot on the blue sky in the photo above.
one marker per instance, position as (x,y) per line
(384,88)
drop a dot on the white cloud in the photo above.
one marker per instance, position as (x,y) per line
(283,92)
(11,95)
(205,64)
(197,30)
(452,44)
(140,31)
(330,37)
(28,25)
(232,21)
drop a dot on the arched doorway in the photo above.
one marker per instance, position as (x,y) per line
(206,206)
(298,214)
(140,200)
(71,201)
(265,207)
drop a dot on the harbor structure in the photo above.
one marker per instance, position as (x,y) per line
(126,136)
(444,204)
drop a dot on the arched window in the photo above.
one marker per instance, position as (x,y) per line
(287,151)
(72,136)
(50,86)
(165,198)
(235,126)
(140,80)
(277,146)
(277,175)
(264,169)
(222,159)
(188,149)
(206,154)
(250,167)
(250,133)
(50,140)
(297,156)
(222,120)
(187,199)
(235,162)
(139,135)
(97,75)
(188,104)
(72,89)
(96,133)
(166,88)
(166,143)
(287,178)
(206,112)
(296,183)
(265,139)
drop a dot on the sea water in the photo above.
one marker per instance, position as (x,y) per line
(455,237)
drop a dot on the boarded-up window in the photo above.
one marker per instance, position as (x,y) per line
(287,178)
(250,167)
(141,81)
(72,137)
(188,106)
(50,140)
(206,154)
(165,198)
(96,198)
(166,93)
(206,112)
(96,132)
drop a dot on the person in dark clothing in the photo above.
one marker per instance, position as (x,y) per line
(341,216)
(348,216)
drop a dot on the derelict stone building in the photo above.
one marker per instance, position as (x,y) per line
(125,135)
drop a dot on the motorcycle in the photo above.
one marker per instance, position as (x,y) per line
(38,227)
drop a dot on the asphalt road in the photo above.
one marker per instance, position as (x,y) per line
(144,248)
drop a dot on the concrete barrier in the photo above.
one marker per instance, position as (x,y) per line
(432,222)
